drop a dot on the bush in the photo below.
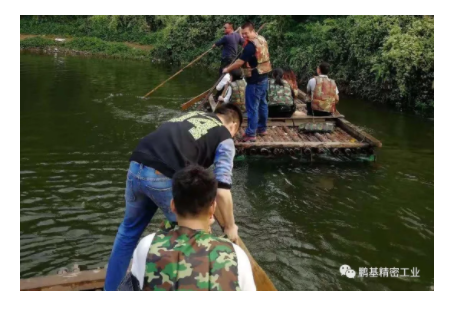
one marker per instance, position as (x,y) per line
(386,59)
(98,46)
(90,45)
(36,42)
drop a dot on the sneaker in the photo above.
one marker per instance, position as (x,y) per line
(250,139)
(263,133)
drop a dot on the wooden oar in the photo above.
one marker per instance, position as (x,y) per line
(261,279)
(194,100)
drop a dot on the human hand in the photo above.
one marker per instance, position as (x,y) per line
(232,232)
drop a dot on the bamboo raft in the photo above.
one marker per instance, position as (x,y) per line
(285,138)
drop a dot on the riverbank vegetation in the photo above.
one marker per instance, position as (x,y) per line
(87,46)
(388,59)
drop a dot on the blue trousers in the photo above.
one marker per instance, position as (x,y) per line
(146,190)
(256,107)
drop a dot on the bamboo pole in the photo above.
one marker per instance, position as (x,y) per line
(181,70)
(178,72)
(304,144)
(261,279)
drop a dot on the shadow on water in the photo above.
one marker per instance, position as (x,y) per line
(82,117)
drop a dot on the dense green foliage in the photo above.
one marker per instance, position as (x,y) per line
(89,45)
(380,58)
(36,42)
(114,49)
(109,28)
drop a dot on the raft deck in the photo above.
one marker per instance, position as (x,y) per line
(285,137)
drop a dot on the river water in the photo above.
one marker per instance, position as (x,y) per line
(82,117)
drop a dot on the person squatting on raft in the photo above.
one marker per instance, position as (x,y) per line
(323,93)
(280,96)
(195,138)
(229,43)
(256,66)
(233,88)
(187,257)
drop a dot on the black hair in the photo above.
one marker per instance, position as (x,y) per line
(248,25)
(231,112)
(193,190)
(277,74)
(229,23)
(236,74)
(324,67)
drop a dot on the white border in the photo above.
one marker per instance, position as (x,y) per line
(11,155)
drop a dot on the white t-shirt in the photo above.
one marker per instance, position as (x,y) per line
(228,94)
(312,84)
(223,82)
(245,277)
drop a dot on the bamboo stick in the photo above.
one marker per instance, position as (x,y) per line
(261,279)
(311,144)
(178,72)
(334,151)
(358,133)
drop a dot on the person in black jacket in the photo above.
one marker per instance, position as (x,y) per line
(198,138)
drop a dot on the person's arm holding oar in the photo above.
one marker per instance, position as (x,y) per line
(237,64)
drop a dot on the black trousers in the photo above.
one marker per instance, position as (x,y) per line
(225,62)
(311,112)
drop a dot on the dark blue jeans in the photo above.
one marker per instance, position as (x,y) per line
(146,191)
(256,107)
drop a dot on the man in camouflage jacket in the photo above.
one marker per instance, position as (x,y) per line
(187,257)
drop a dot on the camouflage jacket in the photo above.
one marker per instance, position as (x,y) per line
(279,94)
(262,55)
(324,95)
(186,259)
(238,93)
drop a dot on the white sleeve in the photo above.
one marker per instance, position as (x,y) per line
(245,276)
(228,94)
(139,258)
(223,82)
(311,86)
